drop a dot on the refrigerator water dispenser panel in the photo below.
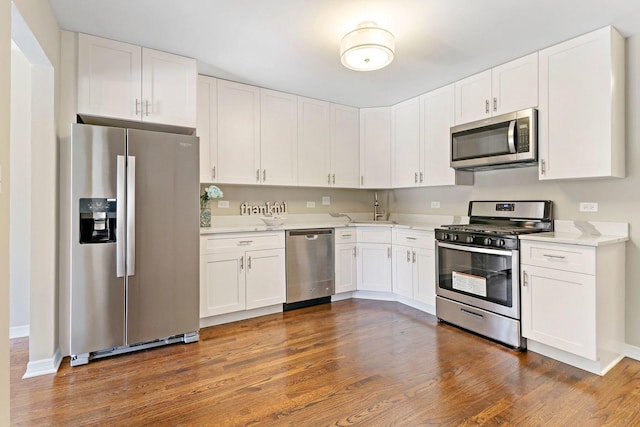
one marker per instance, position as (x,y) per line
(98,220)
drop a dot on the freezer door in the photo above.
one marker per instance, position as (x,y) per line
(163,288)
(97,294)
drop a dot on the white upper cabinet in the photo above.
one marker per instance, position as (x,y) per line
(207,127)
(509,87)
(314,143)
(238,133)
(436,118)
(375,147)
(581,119)
(345,146)
(123,81)
(278,138)
(406,164)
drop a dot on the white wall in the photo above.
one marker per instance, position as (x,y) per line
(618,199)
(20,210)
(5,96)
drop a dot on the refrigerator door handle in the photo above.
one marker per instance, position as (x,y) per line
(131,215)
(120,214)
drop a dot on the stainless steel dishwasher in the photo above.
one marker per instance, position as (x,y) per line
(310,267)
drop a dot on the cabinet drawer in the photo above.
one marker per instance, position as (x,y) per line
(580,259)
(374,235)
(415,239)
(345,235)
(246,241)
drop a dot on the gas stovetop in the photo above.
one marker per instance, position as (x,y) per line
(498,223)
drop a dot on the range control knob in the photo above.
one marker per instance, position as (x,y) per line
(469,239)
(500,243)
(444,236)
(487,241)
(453,237)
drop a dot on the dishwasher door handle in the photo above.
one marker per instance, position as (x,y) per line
(311,237)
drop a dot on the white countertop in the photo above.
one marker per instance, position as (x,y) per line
(241,224)
(583,233)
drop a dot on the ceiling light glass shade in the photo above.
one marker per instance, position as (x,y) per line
(367,48)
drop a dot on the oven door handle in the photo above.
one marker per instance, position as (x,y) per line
(474,249)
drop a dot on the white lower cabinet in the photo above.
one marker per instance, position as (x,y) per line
(241,271)
(373,254)
(573,301)
(414,265)
(345,260)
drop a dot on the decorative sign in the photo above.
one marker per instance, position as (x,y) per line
(274,208)
(468,283)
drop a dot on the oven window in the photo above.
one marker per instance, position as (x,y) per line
(484,276)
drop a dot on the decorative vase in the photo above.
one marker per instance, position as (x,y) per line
(205,215)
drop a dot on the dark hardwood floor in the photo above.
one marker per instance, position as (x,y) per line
(353,362)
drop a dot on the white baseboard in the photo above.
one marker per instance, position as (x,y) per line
(43,366)
(18,331)
(239,315)
(632,352)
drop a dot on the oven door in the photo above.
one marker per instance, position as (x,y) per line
(480,277)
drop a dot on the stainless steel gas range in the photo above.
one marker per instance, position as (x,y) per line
(478,267)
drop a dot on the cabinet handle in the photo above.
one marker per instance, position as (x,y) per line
(388,251)
(146,103)
(213,172)
(329,178)
(421,176)
(138,105)
(248,263)
(411,238)
(257,175)
(333,178)
(346,235)
(554,256)
(408,256)
(264,175)
(415,177)
(242,262)
(495,104)
(542,167)
(354,252)
(245,242)
(486,106)
(357,251)
(525,279)
(414,256)
(361,180)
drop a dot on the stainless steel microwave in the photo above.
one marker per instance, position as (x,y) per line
(508,140)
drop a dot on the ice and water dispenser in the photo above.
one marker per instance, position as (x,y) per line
(97,220)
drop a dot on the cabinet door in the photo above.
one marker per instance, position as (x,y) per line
(581,115)
(406,165)
(402,268)
(278,138)
(558,309)
(374,267)
(472,98)
(515,85)
(109,78)
(375,147)
(207,128)
(314,143)
(345,267)
(222,278)
(424,276)
(436,117)
(266,282)
(238,133)
(168,88)
(345,146)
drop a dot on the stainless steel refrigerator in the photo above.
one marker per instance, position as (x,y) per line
(133,236)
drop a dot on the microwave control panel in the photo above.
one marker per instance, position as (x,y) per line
(523,135)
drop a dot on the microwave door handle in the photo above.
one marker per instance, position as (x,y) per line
(511,137)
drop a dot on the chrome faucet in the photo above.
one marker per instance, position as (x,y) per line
(377,215)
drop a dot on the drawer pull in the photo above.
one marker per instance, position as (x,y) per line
(346,235)
(471,313)
(245,242)
(554,256)
(411,238)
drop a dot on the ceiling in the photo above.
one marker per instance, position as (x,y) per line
(293,45)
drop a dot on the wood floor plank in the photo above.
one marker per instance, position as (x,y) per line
(353,362)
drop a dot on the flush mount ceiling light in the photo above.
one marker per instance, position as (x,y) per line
(367,48)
